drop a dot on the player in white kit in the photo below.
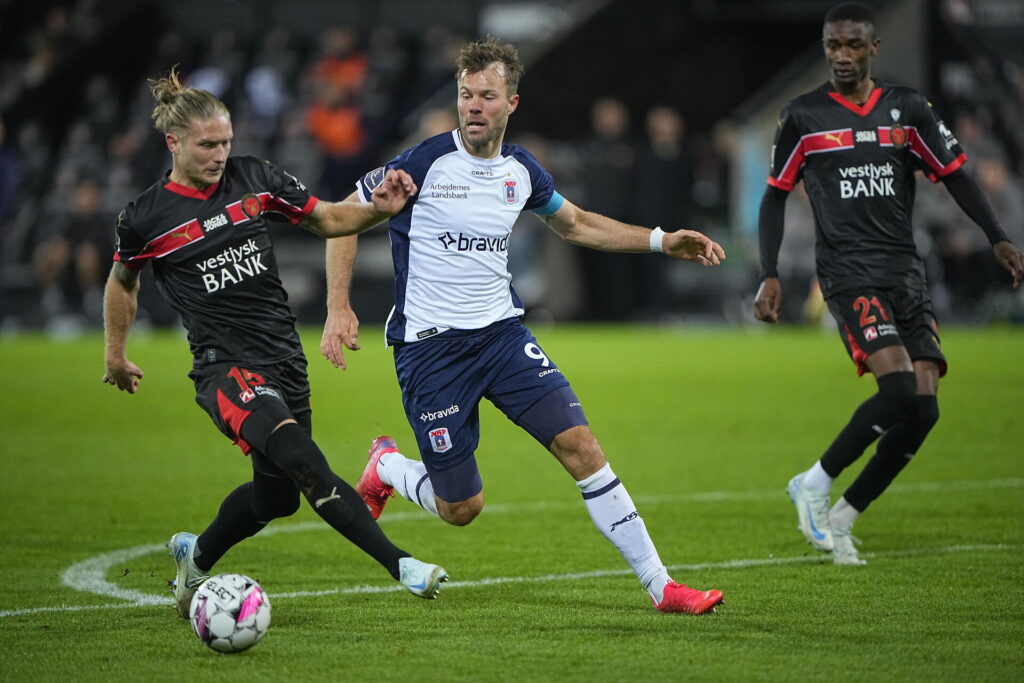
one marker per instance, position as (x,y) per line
(456,328)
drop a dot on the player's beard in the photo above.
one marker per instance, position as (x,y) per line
(493,131)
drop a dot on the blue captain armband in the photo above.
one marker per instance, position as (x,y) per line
(553,205)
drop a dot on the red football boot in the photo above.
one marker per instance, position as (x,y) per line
(679,598)
(375,493)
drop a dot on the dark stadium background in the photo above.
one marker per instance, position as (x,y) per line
(72,86)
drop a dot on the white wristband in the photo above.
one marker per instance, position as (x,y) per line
(656,236)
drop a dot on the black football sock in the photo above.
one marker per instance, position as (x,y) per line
(894,452)
(872,418)
(291,449)
(235,521)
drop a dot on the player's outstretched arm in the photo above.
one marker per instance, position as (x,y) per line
(341,329)
(120,303)
(588,229)
(351,217)
(691,245)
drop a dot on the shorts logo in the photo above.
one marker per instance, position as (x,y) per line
(510,192)
(262,390)
(871,334)
(430,415)
(439,440)
(247,395)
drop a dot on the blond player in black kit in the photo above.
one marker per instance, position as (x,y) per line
(204,229)
(856,143)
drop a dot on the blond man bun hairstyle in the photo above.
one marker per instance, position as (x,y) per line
(177,106)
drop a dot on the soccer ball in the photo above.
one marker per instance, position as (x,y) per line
(230,613)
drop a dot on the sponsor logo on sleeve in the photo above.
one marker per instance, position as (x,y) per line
(947,135)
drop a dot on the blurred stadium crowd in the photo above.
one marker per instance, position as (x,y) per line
(329,107)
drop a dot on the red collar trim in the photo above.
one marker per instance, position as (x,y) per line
(859,110)
(191,191)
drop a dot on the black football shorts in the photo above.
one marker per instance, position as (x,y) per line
(873,318)
(258,397)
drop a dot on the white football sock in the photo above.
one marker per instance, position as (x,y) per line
(409,477)
(817,479)
(843,515)
(615,516)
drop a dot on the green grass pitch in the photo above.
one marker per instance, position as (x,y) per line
(705,427)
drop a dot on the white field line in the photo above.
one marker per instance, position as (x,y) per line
(89,576)
(149,600)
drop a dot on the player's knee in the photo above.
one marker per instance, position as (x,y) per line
(292,449)
(276,507)
(461,513)
(899,391)
(579,452)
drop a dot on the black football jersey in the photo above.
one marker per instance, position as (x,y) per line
(858,164)
(213,258)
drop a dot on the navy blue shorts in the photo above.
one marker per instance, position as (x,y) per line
(443,379)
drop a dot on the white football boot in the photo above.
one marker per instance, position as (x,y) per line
(845,552)
(181,546)
(812,514)
(420,578)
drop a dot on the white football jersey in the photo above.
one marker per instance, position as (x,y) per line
(450,242)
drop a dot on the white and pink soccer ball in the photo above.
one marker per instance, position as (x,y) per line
(230,613)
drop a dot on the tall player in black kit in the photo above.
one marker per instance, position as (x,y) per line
(204,227)
(856,143)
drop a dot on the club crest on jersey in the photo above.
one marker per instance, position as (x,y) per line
(511,194)
(251,205)
(897,135)
(440,441)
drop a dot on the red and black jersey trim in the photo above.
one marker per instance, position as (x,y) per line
(859,109)
(920,149)
(167,243)
(269,203)
(192,192)
(812,143)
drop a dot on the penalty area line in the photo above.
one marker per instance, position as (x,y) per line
(150,600)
